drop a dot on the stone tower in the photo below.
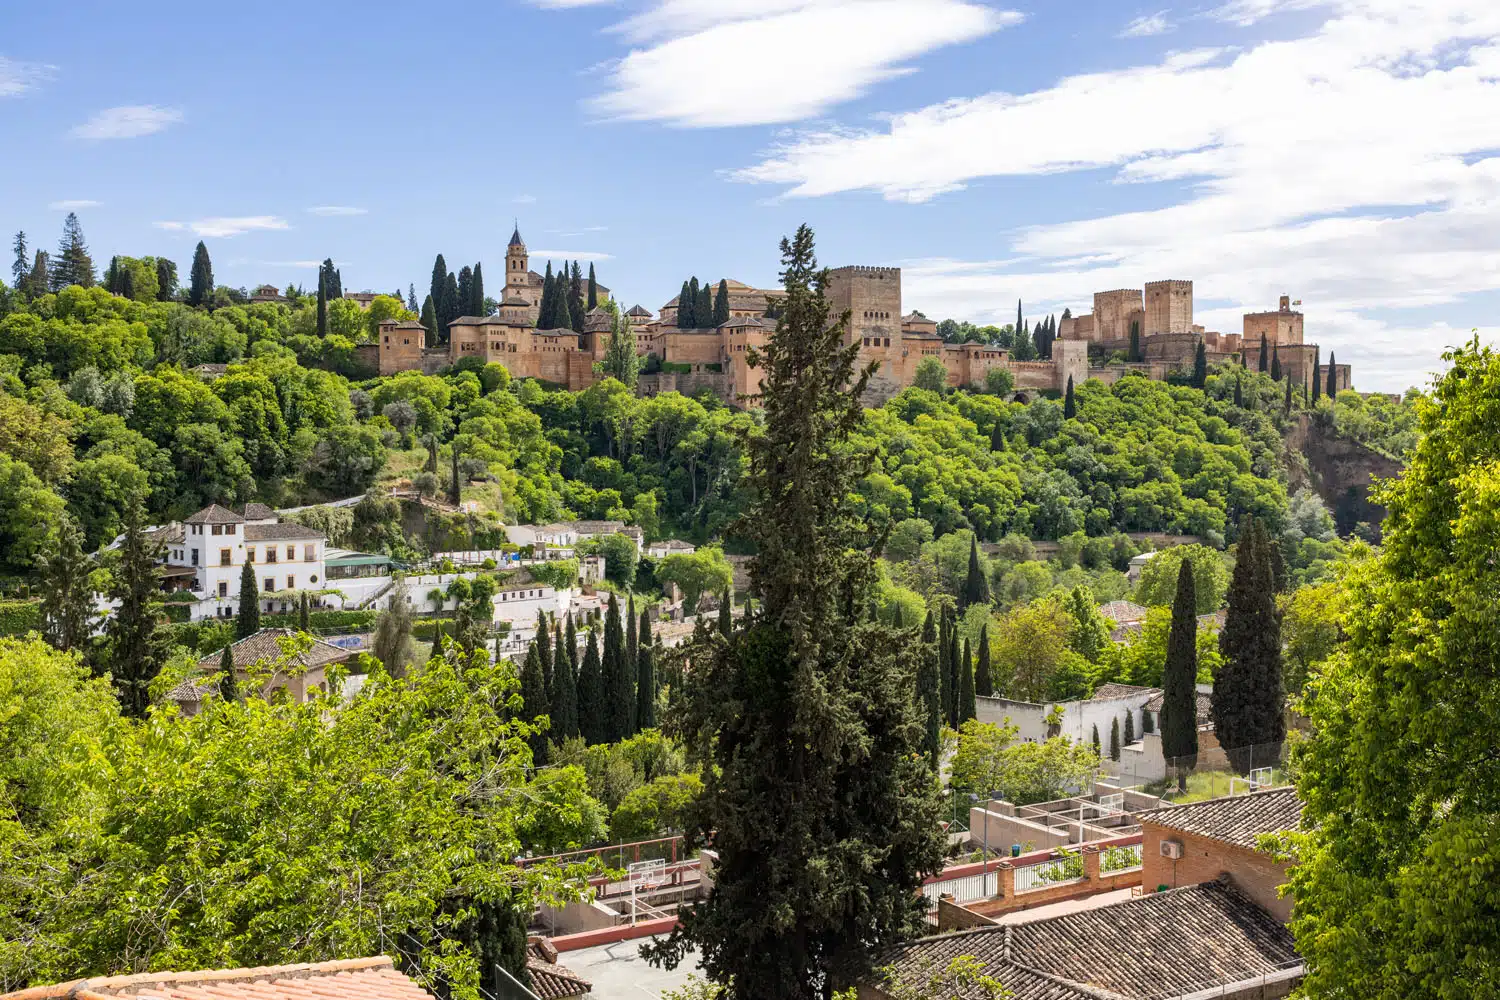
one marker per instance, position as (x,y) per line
(1169,307)
(517,267)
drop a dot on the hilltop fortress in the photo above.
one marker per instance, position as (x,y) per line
(715,359)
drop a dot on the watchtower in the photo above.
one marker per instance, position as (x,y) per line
(1169,307)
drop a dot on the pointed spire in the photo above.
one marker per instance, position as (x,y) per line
(515,236)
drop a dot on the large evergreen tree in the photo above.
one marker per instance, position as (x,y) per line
(645,676)
(67,599)
(1134,353)
(684,308)
(1179,708)
(576,299)
(1276,363)
(322,304)
(721,303)
(72,265)
(823,811)
(564,693)
(466,291)
(955,679)
(247,623)
(1200,366)
(967,708)
(1333,378)
(201,280)
(930,692)
(439,281)
(543,643)
(229,677)
(632,653)
(593,300)
(1070,405)
(534,697)
(976,584)
(1248,704)
(726,614)
(137,645)
(704,309)
(448,311)
(429,320)
(592,722)
(1265,355)
(946,669)
(984,683)
(476,305)
(411,297)
(694,319)
(619,678)
(20,269)
(1114,739)
(1317,381)
(166,279)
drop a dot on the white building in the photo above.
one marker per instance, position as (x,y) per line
(565,535)
(212,546)
(670,547)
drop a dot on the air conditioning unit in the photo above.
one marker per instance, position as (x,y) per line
(1171,849)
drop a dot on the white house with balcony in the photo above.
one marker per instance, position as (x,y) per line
(209,550)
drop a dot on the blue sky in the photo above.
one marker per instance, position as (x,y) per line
(1345,152)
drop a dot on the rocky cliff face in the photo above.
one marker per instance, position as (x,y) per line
(1340,470)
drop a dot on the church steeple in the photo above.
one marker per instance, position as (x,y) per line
(515,237)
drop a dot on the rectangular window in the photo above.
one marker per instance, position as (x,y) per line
(270,553)
(228,529)
(195,557)
(224,557)
(223,588)
(310,552)
(218,529)
(291,582)
(291,553)
(270,582)
(250,554)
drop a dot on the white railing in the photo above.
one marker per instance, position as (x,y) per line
(964,889)
(1119,859)
(1061,871)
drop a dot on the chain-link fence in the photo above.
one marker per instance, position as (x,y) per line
(1210,773)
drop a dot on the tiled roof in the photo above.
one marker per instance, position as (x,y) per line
(1105,692)
(265,646)
(515,238)
(406,324)
(1204,706)
(214,514)
(1123,612)
(258,512)
(168,534)
(638,310)
(351,979)
(551,981)
(1234,819)
(1163,944)
(283,532)
(475,321)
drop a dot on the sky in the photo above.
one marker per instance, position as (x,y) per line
(1343,152)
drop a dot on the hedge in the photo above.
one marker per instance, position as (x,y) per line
(20,617)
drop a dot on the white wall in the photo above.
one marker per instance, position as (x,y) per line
(1078,717)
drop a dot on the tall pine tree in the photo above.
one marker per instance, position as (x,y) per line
(137,645)
(592,718)
(20,268)
(976,584)
(1179,707)
(984,683)
(201,280)
(645,675)
(929,692)
(247,623)
(1249,701)
(72,265)
(721,303)
(67,599)
(824,815)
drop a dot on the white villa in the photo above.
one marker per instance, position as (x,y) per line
(207,553)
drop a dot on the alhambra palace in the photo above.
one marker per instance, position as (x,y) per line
(691,361)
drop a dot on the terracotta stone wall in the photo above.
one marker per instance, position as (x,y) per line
(1205,859)
(1169,307)
(1112,313)
(400,350)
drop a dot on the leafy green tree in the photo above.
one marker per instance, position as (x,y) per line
(201,281)
(983,681)
(1158,581)
(137,647)
(929,692)
(1248,706)
(822,845)
(999,382)
(620,359)
(392,644)
(930,375)
(705,571)
(67,595)
(229,678)
(247,622)
(976,590)
(645,676)
(1391,883)
(1070,405)
(1088,632)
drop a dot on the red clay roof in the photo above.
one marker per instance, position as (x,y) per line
(351,979)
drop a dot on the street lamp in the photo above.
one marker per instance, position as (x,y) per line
(984,861)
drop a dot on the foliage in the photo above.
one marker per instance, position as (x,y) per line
(1029,655)
(989,758)
(1394,875)
(1179,711)
(653,810)
(705,571)
(18,617)
(1386,425)
(1158,581)
(1142,657)
(1249,701)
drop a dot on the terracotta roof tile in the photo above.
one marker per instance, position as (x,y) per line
(284,532)
(265,646)
(1235,819)
(1111,690)
(555,982)
(214,514)
(354,979)
(258,511)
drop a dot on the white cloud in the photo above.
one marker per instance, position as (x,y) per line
(524,199)
(73,204)
(565,4)
(296,264)
(338,210)
(17,78)
(224,227)
(127,122)
(579,255)
(1354,167)
(801,56)
(1147,25)
(1248,12)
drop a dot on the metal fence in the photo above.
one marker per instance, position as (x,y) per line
(1062,871)
(1119,859)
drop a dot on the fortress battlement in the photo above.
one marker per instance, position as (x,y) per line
(879,272)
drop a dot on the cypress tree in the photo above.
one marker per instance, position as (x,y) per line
(632,654)
(1239,392)
(1200,366)
(1278,565)
(929,691)
(593,289)
(1276,363)
(137,646)
(322,304)
(1135,341)
(534,697)
(976,586)
(439,281)
(248,621)
(564,696)
(694,320)
(1265,355)
(983,682)
(1333,378)
(562,314)
(1129,727)
(1094,739)
(1179,707)
(1020,323)
(166,280)
(229,678)
(201,279)
(721,303)
(726,614)
(955,682)
(543,644)
(946,668)
(67,599)
(684,308)
(997,437)
(1286,405)
(448,310)
(466,291)
(547,308)
(967,708)
(619,681)
(591,707)
(704,309)
(645,676)
(429,320)
(40,274)
(823,814)
(304,613)
(336,284)
(1070,405)
(476,292)
(575,298)
(1114,739)
(571,646)
(1248,699)
(1317,382)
